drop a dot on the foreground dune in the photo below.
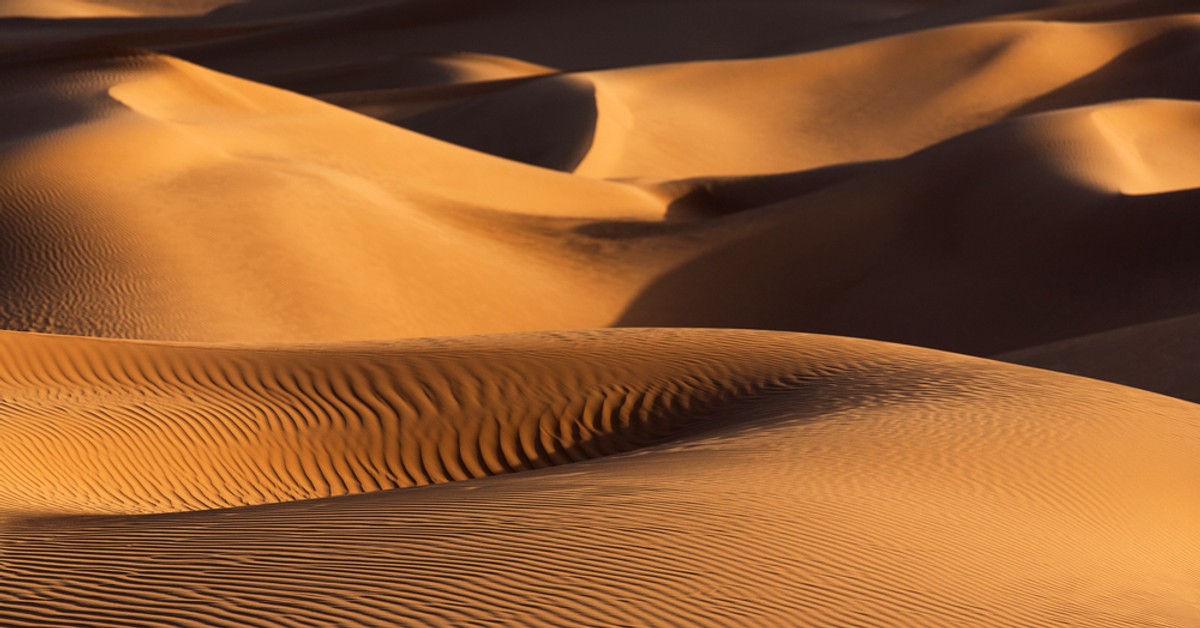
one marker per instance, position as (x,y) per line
(794,476)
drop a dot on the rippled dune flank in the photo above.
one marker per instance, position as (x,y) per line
(595,312)
(626,476)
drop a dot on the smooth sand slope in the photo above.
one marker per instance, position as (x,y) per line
(810,477)
(150,198)
(799,112)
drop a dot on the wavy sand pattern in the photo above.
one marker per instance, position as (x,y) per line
(446,312)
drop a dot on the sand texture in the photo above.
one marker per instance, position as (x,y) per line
(599,313)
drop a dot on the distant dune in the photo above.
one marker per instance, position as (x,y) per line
(462,312)
(107,8)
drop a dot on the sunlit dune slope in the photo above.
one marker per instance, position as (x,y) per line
(835,106)
(106,8)
(57,8)
(834,480)
(820,109)
(146,197)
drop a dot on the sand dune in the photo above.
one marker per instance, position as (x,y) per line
(178,203)
(267,216)
(58,8)
(107,8)
(303,310)
(667,121)
(934,248)
(796,500)
(848,112)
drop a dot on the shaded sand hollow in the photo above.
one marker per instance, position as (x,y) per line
(307,310)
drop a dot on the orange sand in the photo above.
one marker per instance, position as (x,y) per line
(284,285)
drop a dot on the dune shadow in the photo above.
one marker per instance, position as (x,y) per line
(905,275)
(546,121)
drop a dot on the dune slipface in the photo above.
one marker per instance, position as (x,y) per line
(451,312)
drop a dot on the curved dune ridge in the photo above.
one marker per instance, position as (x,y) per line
(827,471)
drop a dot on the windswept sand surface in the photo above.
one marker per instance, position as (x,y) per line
(422,312)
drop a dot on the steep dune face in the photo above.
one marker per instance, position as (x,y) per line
(829,471)
(410,246)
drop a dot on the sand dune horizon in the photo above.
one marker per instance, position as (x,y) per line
(448,312)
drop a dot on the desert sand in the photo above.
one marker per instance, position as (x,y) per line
(771,312)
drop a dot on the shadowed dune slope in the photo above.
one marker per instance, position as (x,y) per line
(149,198)
(571,35)
(1160,356)
(547,122)
(831,470)
(1019,234)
